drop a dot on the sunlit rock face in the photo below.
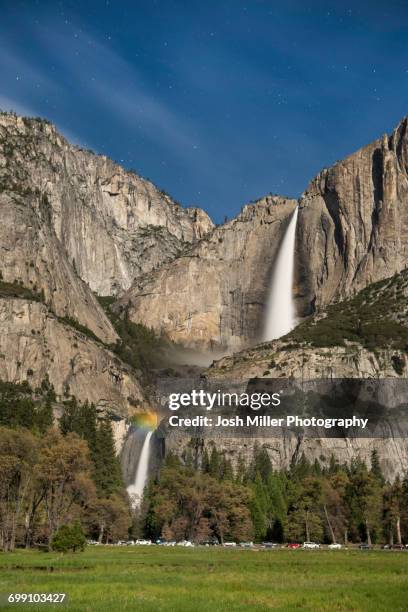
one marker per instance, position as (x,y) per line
(286,360)
(213,296)
(352,230)
(74,223)
(353,223)
(113,224)
(35,344)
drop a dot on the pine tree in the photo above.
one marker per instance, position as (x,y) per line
(241,476)
(376,470)
(205,464)
(44,415)
(80,419)
(215,464)
(227,472)
(263,464)
(107,474)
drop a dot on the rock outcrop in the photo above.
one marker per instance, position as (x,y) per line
(32,255)
(373,331)
(112,224)
(281,359)
(352,231)
(353,223)
(212,296)
(75,223)
(35,344)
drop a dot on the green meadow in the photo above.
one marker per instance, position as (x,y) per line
(209,579)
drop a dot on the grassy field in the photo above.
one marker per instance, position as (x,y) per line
(178,580)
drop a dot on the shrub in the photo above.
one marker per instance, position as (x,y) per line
(398,363)
(69,538)
(371,318)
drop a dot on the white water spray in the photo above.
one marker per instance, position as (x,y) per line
(135,490)
(280,314)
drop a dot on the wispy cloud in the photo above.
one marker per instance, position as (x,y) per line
(104,80)
(111,82)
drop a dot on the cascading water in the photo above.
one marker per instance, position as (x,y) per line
(280,315)
(135,490)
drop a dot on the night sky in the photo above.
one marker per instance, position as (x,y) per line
(216,101)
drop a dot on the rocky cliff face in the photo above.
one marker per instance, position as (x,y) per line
(280,359)
(34,344)
(353,223)
(352,230)
(73,223)
(289,448)
(212,296)
(32,255)
(112,224)
(363,337)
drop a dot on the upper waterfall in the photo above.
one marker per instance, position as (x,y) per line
(135,490)
(280,314)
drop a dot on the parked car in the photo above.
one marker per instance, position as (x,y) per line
(230,544)
(185,543)
(364,546)
(269,545)
(386,547)
(171,543)
(143,542)
(293,545)
(398,547)
(92,542)
(310,545)
(213,542)
(130,543)
(335,546)
(246,544)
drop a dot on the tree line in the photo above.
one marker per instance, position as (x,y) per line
(209,499)
(53,476)
(63,474)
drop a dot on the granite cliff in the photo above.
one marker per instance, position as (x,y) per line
(35,344)
(112,224)
(364,336)
(75,224)
(353,223)
(212,296)
(352,230)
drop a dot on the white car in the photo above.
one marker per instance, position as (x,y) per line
(310,545)
(334,546)
(230,544)
(143,542)
(185,543)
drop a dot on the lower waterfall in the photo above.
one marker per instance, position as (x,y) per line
(135,490)
(280,315)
